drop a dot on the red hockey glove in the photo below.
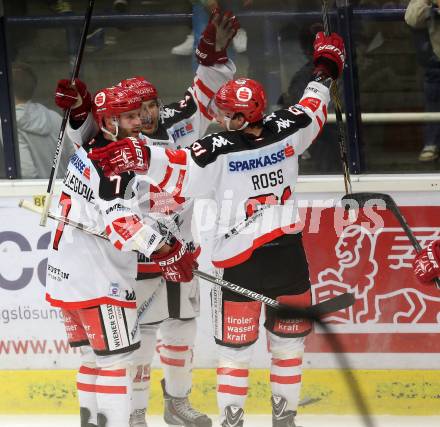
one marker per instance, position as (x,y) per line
(127,155)
(427,263)
(216,38)
(177,265)
(329,54)
(76,97)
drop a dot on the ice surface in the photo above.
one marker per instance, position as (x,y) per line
(250,421)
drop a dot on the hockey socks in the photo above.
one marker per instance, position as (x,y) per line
(286,368)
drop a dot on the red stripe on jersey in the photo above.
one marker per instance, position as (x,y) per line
(319,123)
(259,241)
(172,362)
(108,230)
(324,110)
(232,389)
(148,268)
(176,156)
(107,389)
(176,348)
(285,363)
(102,372)
(202,108)
(242,373)
(118,245)
(205,89)
(166,178)
(291,379)
(179,183)
(75,305)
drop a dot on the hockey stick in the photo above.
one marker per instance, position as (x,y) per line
(314,312)
(60,141)
(371,199)
(334,92)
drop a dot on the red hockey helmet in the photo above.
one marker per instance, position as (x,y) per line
(142,87)
(245,96)
(112,102)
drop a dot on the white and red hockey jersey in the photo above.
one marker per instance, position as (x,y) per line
(84,270)
(181,123)
(253,179)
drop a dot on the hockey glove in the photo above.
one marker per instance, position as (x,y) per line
(127,155)
(329,54)
(177,265)
(427,263)
(76,97)
(216,38)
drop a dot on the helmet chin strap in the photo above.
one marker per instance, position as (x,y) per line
(228,124)
(113,136)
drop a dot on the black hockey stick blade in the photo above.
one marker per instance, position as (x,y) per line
(316,311)
(360,200)
(284,311)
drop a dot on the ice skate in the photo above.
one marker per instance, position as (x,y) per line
(280,416)
(179,412)
(137,418)
(85,415)
(233,416)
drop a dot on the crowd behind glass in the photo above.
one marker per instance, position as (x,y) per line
(397,62)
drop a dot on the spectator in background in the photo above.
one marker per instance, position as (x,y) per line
(201,10)
(422,16)
(120,6)
(37,128)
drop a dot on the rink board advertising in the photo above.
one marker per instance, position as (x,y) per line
(371,257)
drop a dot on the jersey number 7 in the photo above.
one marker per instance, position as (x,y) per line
(66,204)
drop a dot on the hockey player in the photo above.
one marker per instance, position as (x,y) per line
(93,280)
(427,263)
(252,167)
(179,123)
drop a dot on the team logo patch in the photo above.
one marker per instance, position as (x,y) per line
(86,173)
(100,99)
(114,290)
(289,151)
(244,94)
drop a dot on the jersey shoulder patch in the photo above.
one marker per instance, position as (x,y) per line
(178,111)
(283,123)
(208,149)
